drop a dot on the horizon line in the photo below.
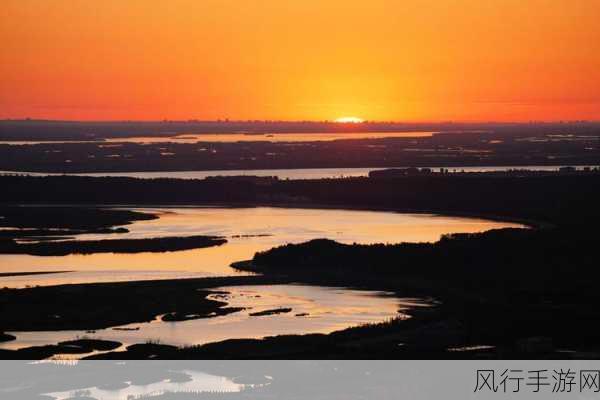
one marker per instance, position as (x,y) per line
(306,121)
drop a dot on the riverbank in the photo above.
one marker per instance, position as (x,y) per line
(103,305)
(27,273)
(537,200)
(145,292)
(505,293)
(505,288)
(66,220)
(66,247)
(506,311)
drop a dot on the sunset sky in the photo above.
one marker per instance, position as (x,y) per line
(418,60)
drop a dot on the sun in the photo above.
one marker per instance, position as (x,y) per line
(349,120)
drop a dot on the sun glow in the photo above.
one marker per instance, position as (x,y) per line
(208,60)
(349,120)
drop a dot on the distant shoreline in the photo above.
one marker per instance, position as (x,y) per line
(527,223)
(7,274)
(122,246)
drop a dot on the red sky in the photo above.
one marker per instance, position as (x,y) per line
(312,59)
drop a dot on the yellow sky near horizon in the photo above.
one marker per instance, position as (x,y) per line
(468,60)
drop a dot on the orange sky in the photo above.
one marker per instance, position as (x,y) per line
(300,59)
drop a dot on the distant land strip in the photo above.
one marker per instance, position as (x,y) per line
(6,274)
(67,247)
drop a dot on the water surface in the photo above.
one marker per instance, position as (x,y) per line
(314,310)
(299,173)
(247,230)
(270,137)
(276,137)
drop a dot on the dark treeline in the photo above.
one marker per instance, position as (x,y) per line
(503,264)
(527,292)
(499,287)
(555,198)
(65,247)
(105,305)
(523,291)
(66,220)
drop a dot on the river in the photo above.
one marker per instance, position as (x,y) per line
(248,230)
(314,309)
